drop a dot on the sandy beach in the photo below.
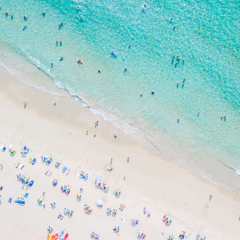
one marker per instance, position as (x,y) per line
(146,180)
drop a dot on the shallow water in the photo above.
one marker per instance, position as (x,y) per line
(206,36)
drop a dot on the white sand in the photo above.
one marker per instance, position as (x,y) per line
(60,132)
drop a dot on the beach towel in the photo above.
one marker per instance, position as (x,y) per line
(1,147)
(101,177)
(34,161)
(10,146)
(4,148)
(20,166)
(31,183)
(57,165)
(68,170)
(10,200)
(26,195)
(17,165)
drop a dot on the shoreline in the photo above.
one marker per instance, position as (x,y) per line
(60,132)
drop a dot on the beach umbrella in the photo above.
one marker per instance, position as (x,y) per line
(100,203)
(78,196)
(66,209)
(53,204)
(39,200)
(134,221)
(49,229)
(116,229)
(109,210)
(170,237)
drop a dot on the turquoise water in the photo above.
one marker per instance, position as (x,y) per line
(206,36)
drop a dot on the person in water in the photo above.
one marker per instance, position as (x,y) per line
(61,58)
(51,64)
(98,71)
(125,69)
(43,13)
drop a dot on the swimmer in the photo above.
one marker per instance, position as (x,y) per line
(125,69)
(6,14)
(43,13)
(24,27)
(176,63)
(171,19)
(61,42)
(25,17)
(51,64)
(177,84)
(56,41)
(172,60)
(81,17)
(183,60)
(61,24)
(174,27)
(129,44)
(178,120)
(61,58)
(11,16)
(78,7)
(184,80)
(98,71)
(152,93)
(140,95)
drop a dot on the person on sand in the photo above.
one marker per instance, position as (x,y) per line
(94,135)
(87,132)
(111,160)
(25,104)
(128,159)
(210,197)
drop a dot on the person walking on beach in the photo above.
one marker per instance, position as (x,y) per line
(25,104)
(128,159)
(210,197)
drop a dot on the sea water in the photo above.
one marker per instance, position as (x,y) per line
(184,119)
